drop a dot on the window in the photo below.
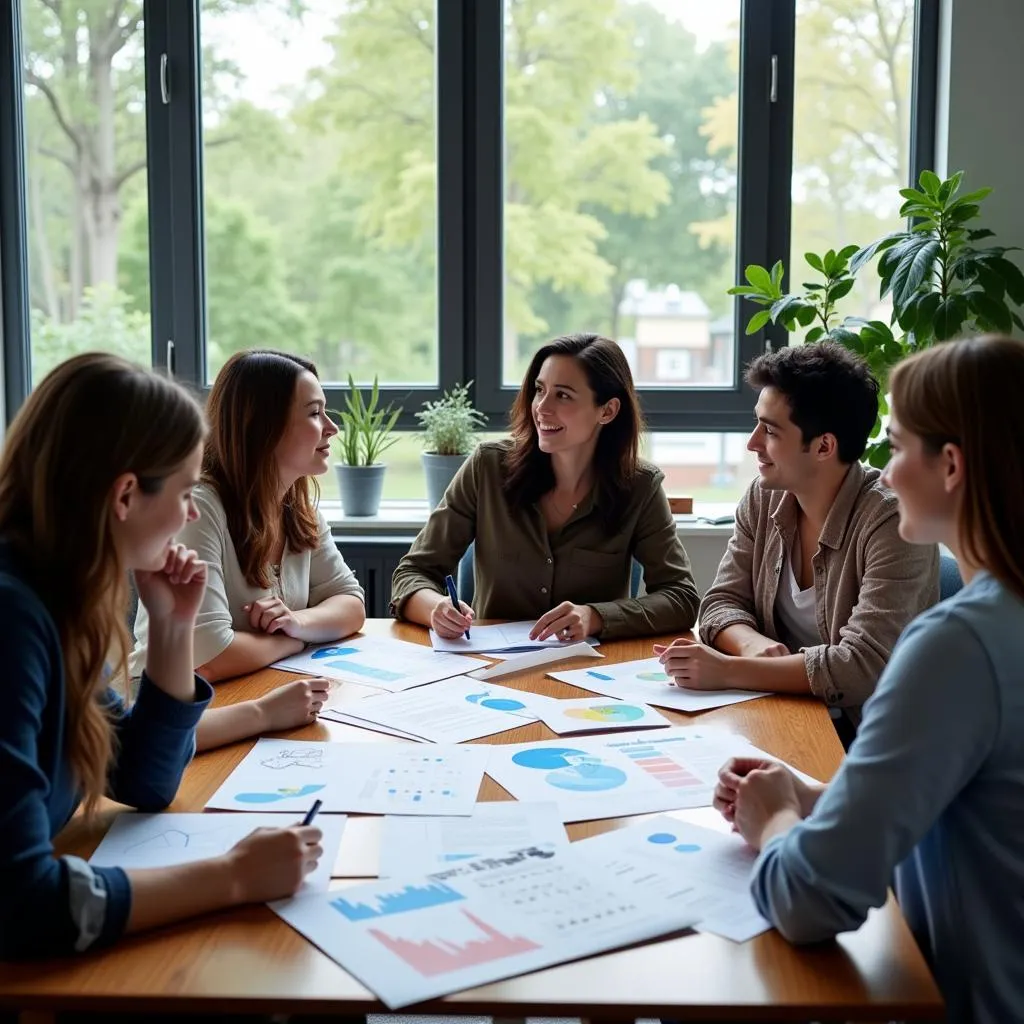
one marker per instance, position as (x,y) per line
(85,182)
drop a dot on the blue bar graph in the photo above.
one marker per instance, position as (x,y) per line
(412,897)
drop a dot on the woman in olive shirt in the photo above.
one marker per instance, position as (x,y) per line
(557,514)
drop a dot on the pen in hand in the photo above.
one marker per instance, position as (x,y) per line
(312,812)
(453,594)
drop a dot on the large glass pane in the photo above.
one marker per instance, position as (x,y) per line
(320,184)
(85,141)
(620,137)
(851,141)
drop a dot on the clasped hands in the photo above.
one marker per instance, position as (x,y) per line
(272,615)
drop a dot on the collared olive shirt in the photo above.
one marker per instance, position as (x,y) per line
(522,571)
(868,582)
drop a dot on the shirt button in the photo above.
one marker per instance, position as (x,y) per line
(543,590)
(549,560)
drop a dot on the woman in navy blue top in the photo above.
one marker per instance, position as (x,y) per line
(96,479)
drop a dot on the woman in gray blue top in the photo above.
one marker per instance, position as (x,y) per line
(96,479)
(932,792)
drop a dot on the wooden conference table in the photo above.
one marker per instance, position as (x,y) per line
(249,961)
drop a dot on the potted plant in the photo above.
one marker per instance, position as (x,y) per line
(365,432)
(940,283)
(449,434)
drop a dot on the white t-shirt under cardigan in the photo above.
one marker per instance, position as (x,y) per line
(305,579)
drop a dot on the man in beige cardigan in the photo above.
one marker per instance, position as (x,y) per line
(816,584)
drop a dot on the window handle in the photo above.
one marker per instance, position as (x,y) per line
(165,89)
(170,358)
(773,87)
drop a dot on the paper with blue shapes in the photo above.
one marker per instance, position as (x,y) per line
(379,661)
(359,778)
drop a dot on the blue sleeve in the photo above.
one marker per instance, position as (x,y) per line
(39,890)
(926,732)
(156,740)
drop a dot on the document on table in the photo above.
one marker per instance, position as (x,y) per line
(510,664)
(450,711)
(708,872)
(647,682)
(410,846)
(598,714)
(423,936)
(166,839)
(506,638)
(359,778)
(378,661)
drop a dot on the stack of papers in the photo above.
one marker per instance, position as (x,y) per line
(509,638)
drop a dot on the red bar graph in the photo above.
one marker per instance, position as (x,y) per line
(439,956)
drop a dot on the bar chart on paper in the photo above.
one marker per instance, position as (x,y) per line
(412,897)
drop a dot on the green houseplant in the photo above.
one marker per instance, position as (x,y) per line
(940,282)
(449,427)
(365,432)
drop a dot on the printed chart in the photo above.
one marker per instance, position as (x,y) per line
(410,845)
(479,921)
(597,714)
(364,778)
(378,661)
(702,869)
(646,682)
(163,840)
(450,711)
(605,777)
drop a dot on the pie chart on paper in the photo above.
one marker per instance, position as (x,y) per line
(610,714)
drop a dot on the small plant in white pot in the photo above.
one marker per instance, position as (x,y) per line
(449,434)
(365,432)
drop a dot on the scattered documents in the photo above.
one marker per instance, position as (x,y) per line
(164,840)
(599,714)
(360,778)
(420,937)
(377,661)
(510,637)
(646,681)
(410,846)
(535,659)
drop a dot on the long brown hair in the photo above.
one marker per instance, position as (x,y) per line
(968,393)
(249,407)
(90,420)
(529,472)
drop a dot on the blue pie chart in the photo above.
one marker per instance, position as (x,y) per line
(546,757)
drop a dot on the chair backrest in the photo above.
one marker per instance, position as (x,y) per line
(949,577)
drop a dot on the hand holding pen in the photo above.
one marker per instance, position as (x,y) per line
(451,618)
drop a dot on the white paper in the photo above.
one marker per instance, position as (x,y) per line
(599,714)
(417,938)
(508,637)
(451,711)
(534,659)
(706,871)
(343,718)
(593,777)
(410,846)
(647,682)
(360,778)
(163,840)
(377,661)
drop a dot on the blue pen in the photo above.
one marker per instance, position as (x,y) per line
(449,582)
(312,812)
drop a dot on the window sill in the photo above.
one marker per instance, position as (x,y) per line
(406,518)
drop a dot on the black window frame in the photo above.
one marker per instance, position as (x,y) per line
(469,202)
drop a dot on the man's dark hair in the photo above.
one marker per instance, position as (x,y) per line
(829,390)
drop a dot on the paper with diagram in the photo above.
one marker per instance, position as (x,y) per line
(164,840)
(378,661)
(425,936)
(360,778)
(451,711)
(706,871)
(647,682)
(410,845)
(506,638)
(598,714)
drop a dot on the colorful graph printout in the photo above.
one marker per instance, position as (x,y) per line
(598,714)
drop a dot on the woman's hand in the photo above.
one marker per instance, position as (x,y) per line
(568,621)
(694,666)
(272,615)
(173,593)
(271,863)
(445,621)
(293,704)
(761,798)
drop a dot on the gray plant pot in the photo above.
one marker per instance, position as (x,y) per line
(439,470)
(361,488)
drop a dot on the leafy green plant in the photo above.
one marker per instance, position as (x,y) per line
(365,428)
(450,423)
(940,285)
